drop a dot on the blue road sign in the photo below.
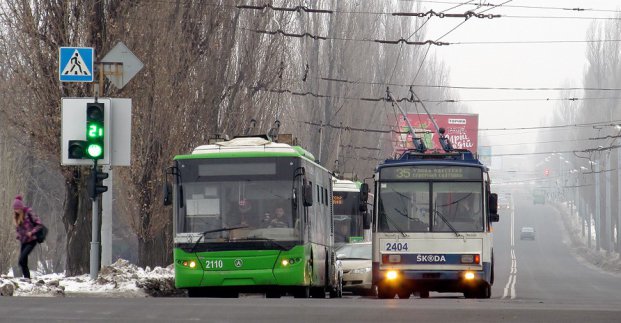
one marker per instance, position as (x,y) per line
(75,64)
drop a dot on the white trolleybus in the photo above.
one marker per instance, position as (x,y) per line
(349,216)
(432,227)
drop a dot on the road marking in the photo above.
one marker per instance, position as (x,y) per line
(509,290)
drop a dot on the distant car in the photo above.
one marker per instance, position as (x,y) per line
(504,201)
(527,233)
(355,261)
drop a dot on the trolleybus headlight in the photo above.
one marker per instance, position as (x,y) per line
(192,264)
(392,275)
(290,261)
(469,275)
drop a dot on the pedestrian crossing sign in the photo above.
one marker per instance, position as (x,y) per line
(75,64)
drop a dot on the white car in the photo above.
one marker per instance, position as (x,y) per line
(355,260)
(527,233)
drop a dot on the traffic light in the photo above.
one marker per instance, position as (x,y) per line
(77,149)
(94,130)
(95,185)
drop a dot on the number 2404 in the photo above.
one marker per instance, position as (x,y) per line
(396,246)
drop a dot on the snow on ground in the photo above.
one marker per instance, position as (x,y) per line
(121,279)
(608,261)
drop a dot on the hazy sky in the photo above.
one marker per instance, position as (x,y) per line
(515,65)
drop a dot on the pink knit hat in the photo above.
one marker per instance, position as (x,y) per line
(18,203)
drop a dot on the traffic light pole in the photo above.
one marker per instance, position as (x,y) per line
(95,233)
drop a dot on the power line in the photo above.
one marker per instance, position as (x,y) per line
(600,123)
(534,42)
(300,9)
(529,7)
(409,99)
(560,17)
(465,87)
(297,9)
(317,37)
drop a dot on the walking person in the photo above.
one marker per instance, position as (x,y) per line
(26,225)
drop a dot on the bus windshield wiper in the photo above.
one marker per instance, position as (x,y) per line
(447,223)
(394,224)
(215,230)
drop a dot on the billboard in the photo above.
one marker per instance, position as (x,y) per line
(461,129)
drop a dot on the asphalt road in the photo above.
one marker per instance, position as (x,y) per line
(536,281)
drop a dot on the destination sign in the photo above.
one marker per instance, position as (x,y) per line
(431,173)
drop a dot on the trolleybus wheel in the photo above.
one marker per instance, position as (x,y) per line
(195,292)
(485,291)
(318,292)
(404,293)
(385,292)
(337,292)
(424,294)
(302,292)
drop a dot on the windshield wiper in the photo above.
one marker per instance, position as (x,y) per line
(447,223)
(280,246)
(394,224)
(215,230)
(353,258)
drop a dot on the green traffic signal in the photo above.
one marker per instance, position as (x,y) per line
(94,151)
(95,130)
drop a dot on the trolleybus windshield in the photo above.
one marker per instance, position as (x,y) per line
(254,194)
(347,217)
(431,201)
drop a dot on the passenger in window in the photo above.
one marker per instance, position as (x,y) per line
(267,219)
(279,220)
(341,232)
(247,216)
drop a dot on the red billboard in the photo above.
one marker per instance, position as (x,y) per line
(461,129)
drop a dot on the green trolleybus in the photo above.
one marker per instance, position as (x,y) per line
(433,226)
(252,216)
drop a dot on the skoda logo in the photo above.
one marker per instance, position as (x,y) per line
(238,263)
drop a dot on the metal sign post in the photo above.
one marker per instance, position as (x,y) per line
(94,268)
(77,64)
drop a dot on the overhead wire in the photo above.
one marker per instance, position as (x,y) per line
(575,9)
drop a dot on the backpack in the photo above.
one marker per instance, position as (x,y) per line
(42,233)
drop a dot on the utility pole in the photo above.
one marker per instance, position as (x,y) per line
(598,208)
(608,215)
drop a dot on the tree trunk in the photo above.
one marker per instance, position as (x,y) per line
(77,222)
(156,251)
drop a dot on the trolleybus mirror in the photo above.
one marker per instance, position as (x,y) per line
(366,218)
(364,191)
(167,193)
(493,203)
(364,197)
(307,193)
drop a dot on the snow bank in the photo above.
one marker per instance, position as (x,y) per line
(121,279)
